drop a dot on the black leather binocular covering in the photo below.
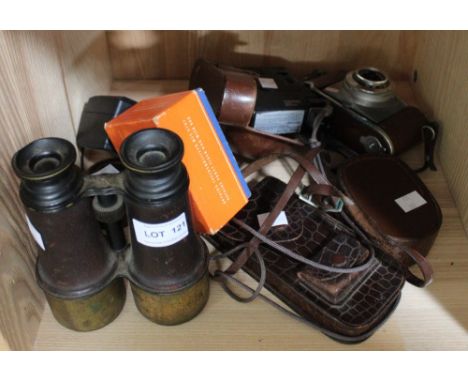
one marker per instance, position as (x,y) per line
(84,256)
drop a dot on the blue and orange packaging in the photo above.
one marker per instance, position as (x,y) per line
(217,188)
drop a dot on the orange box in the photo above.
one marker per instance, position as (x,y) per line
(217,188)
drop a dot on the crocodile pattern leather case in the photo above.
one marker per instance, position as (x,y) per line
(352,305)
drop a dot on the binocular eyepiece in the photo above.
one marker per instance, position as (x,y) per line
(153,160)
(50,179)
(44,159)
(76,220)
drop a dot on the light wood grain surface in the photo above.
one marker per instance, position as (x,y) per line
(33,105)
(46,77)
(3,344)
(431,318)
(442,88)
(143,55)
(84,59)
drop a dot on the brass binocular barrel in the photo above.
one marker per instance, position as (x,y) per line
(76,221)
(169,269)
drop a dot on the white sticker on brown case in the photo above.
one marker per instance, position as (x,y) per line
(280,220)
(411,201)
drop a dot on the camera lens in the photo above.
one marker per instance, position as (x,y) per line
(371,75)
(371,78)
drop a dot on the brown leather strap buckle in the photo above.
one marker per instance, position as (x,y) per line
(307,197)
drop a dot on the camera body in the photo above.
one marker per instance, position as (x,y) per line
(268,99)
(369,116)
(284,104)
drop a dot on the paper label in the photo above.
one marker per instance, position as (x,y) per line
(410,201)
(267,83)
(35,234)
(280,220)
(279,122)
(161,234)
(109,169)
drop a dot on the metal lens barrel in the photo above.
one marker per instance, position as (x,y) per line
(168,269)
(74,267)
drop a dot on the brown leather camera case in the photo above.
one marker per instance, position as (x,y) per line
(394,201)
(348,307)
(403,129)
(232,92)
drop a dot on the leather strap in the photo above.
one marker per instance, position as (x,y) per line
(395,249)
(261,282)
(305,161)
(300,258)
(424,266)
(280,204)
(322,187)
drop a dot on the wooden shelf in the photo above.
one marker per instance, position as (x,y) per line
(426,319)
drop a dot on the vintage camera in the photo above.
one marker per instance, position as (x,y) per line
(80,267)
(268,99)
(370,117)
(284,104)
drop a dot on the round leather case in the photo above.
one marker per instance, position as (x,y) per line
(394,200)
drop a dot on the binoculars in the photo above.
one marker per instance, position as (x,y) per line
(77,222)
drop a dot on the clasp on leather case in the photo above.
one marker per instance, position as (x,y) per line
(337,206)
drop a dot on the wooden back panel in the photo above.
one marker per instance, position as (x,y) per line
(441,62)
(143,55)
